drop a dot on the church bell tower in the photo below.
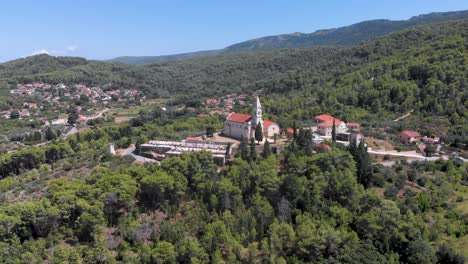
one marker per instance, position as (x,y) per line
(257,113)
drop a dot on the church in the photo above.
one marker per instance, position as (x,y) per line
(243,125)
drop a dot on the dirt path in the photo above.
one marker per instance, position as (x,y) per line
(105,110)
(404,116)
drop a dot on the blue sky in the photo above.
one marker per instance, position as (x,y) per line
(103,29)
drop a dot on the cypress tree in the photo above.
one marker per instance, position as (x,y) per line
(266,150)
(244,150)
(333,132)
(253,152)
(363,164)
(294,130)
(50,134)
(259,133)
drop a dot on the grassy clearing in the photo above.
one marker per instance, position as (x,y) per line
(459,244)
(128,112)
(155,102)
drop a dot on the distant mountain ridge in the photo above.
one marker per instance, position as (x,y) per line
(342,36)
(156,59)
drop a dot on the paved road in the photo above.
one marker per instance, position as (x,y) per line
(408,154)
(391,163)
(131,149)
(72,131)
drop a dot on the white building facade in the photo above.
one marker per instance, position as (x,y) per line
(243,125)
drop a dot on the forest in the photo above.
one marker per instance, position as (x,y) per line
(74,203)
(421,69)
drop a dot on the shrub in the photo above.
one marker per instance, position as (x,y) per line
(67,166)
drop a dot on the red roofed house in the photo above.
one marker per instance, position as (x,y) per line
(431,140)
(321,148)
(323,118)
(290,131)
(242,125)
(270,128)
(353,125)
(325,125)
(409,137)
(82,119)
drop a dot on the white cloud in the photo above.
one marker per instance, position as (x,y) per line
(72,48)
(68,49)
(42,51)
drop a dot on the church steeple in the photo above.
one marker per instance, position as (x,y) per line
(257,113)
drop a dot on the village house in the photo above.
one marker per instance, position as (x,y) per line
(30,105)
(82,119)
(212,101)
(352,125)
(24,113)
(409,137)
(325,125)
(431,140)
(270,129)
(322,148)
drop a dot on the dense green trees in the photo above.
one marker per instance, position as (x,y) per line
(420,69)
(310,209)
(297,207)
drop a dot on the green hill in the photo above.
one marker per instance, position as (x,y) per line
(38,64)
(155,59)
(342,36)
(422,68)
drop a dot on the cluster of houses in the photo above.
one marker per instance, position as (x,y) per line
(56,93)
(243,126)
(36,95)
(225,103)
(240,126)
(409,137)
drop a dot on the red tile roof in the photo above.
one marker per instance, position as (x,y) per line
(239,118)
(322,147)
(267,123)
(193,138)
(330,123)
(353,124)
(410,134)
(324,117)
(291,131)
(328,118)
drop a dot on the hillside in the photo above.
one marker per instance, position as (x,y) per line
(72,199)
(421,61)
(38,64)
(342,36)
(155,59)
